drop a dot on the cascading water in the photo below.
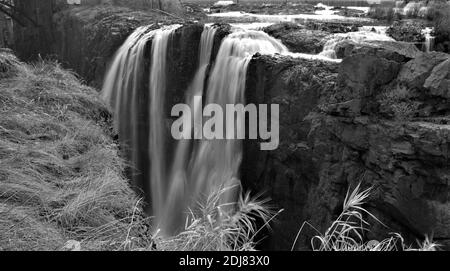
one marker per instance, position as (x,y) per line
(180,185)
(122,89)
(183,173)
(209,165)
(429,40)
(160,188)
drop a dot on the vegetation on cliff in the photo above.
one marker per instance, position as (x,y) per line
(61,175)
(62,184)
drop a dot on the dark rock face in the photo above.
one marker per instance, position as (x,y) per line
(333,27)
(338,135)
(33,36)
(439,80)
(415,72)
(183,61)
(348,47)
(87,38)
(298,39)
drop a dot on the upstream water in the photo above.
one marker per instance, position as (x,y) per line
(178,175)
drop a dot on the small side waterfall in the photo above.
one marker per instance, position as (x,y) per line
(429,40)
(360,37)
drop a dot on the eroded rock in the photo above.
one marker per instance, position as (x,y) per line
(298,39)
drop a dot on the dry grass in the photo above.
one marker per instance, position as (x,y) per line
(60,173)
(213,228)
(346,232)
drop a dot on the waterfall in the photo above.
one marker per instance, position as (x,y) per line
(429,39)
(177,175)
(122,89)
(160,188)
(207,166)
(179,195)
(215,163)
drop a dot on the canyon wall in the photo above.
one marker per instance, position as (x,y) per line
(380,118)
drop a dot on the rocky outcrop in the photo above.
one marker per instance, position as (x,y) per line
(415,72)
(406,31)
(298,39)
(406,161)
(339,134)
(347,47)
(439,80)
(288,173)
(87,38)
(333,27)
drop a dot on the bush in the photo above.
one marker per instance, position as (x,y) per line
(406,31)
(399,104)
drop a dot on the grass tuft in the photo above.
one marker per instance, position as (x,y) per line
(346,233)
(217,227)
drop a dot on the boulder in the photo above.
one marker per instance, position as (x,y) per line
(438,83)
(414,73)
(297,39)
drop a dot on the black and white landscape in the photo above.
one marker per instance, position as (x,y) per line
(198,125)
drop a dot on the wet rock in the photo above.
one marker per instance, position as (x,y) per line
(182,61)
(286,173)
(223,30)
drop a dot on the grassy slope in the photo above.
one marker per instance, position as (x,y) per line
(61,176)
(60,173)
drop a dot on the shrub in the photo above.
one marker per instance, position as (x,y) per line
(406,31)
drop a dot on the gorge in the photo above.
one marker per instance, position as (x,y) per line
(354,107)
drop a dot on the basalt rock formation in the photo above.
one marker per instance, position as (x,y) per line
(87,38)
(380,118)
(333,27)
